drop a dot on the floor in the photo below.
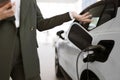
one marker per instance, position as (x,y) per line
(47,58)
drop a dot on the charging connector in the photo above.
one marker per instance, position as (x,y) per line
(98,50)
(90,57)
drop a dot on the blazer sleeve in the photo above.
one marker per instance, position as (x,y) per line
(48,23)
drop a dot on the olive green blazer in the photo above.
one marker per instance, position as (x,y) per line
(31,19)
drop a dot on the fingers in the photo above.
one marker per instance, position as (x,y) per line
(86,17)
(7,6)
(13,7)
(7,10)
(85,14)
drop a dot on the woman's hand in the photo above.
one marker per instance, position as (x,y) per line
(85,18)
(8,10)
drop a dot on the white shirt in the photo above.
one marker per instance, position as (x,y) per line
(17,12)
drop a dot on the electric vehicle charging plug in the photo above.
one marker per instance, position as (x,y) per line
(97,52)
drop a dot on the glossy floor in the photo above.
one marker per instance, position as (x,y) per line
(47,58)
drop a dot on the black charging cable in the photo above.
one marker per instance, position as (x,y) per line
(77,63)
(90,48)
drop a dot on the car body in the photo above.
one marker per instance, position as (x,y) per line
(103,30)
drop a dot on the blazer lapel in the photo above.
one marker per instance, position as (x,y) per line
(23,10)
